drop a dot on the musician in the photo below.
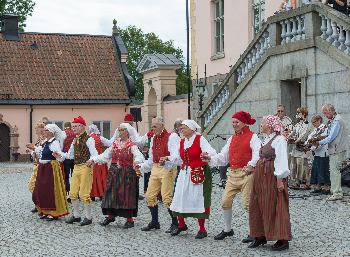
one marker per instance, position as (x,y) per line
(299,158)
(286,121)
(320,165)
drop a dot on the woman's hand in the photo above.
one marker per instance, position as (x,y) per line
(280,185)
(30,146)
(205,157)
(89,163)
(162,160)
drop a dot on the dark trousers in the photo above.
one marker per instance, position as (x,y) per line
(68,170)
(320,171)
(145,181)
(223,172)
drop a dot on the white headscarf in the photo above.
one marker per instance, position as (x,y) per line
(57,132)
(131,130)
(94,129)
(192,125)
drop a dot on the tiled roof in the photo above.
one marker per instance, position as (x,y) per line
(61,67)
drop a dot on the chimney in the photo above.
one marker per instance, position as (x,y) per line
(9,27)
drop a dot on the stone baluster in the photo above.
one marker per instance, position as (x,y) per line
(257,51)
(289,32)
(299,28)
(243,70)
(302,21)
(283,33)
(239,75)
(261,42)
(347,41)
(253,56)
(245,66)
(324,27)
(329,31)
(294,29)
(335,34)
(341,39)
(249,57)
(266,40)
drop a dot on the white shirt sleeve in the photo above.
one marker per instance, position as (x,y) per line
(92,149)
(146,166)
(106,142)
(141,140)
(281,161)
(206,147)
(138,156)
(37,151)
(222,158)
(104,157)
(56,147)
(70,153)
(255,145)
(174,158)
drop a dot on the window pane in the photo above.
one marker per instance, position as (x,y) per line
(217,9)
(106,129)
(218,44)
(60,124)
(222,8)
(217,29)
(98,124)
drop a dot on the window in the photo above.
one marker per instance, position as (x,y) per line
(219,26)
(258,15)
(59,123)
(104,127)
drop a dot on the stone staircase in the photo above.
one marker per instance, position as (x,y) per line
(312,26)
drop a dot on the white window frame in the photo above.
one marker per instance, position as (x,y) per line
(99,124)
(219,48)
(260,6)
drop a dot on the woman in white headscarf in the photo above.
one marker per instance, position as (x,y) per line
(192,194)
(121,196)
(49,195)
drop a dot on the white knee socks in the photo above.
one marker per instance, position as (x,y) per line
(227,219)
(87,208)
(75,205)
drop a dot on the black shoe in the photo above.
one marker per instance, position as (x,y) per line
(316,191)
(107,221)
(85,222)
(257,242)
(129,224)
(43,217)
(223,234)
(92,199)
(280,245)
(151,226)
(177,230)
(248,239)
(34,210)
(72,219)
(201,235)
(51,219)
(141,197)
(171,228)
(69,200)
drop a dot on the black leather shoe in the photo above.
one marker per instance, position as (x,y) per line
(177,230)
(72,219)
(85,222)
(201,235)
(107,221)
(43,217)
(129,224)
(248,239)
(280,245)
(69,200)
(51,219)
(171,228)
(34,210)
(141,197)
(223,234)
(257,242)
(151,226)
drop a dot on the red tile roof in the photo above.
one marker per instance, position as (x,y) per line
(61,67)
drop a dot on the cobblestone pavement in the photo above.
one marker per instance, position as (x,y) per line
(319,228)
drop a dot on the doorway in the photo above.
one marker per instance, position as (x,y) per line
(291,96)
(4,143)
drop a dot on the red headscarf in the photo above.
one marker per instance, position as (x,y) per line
(244,117)
(129,117)
(79,120)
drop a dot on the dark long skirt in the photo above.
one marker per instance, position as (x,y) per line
(121,197)
(268,208)
(44,190)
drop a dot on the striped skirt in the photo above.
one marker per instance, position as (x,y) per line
(268,208)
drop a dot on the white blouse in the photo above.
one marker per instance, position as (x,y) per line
(281,160)
(106,156)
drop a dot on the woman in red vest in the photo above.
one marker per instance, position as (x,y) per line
(269,204)
(100,171)
(192,195)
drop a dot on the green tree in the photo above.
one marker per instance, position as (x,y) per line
(138,44)
(22,8)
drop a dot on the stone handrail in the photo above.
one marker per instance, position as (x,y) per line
(305,23)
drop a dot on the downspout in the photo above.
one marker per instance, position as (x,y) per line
(31,123)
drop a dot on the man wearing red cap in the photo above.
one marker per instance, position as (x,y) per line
(81,150)
(241,152)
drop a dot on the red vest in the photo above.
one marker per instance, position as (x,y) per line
(240,152)
(122,156)
(160,146)
(98,143)
(192,156)
(69,139)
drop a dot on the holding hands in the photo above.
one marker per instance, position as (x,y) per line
(248,170)
(205,157)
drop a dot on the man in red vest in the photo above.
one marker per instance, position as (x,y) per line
(162,178)
(241,152)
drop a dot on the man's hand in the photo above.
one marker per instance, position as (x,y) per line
(205,157)
(89,163)
(162,160)
(280,185)
(248,170)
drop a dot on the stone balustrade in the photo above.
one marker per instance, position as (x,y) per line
(335,33)
(217,104)
(293,29)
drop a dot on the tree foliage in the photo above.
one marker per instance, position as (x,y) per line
(22,8)
(138,44)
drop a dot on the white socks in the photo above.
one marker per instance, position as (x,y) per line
(87,208)
(75,205)
(227,219)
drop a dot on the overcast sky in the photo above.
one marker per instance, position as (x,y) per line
(166,18)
